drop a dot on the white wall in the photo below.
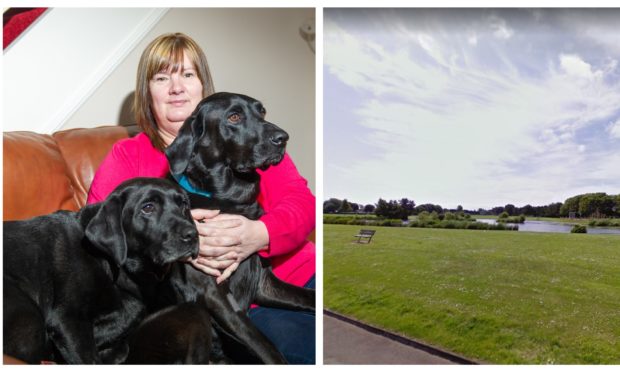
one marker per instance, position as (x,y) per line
(58,63)
(258,52)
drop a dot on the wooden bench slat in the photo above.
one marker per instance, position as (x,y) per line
(365,234)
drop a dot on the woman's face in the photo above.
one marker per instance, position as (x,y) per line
(174,97)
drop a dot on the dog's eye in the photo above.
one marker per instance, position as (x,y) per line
(234,118)
(263,112)
(148,208)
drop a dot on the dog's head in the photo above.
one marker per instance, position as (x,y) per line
(144,222)
(227,128)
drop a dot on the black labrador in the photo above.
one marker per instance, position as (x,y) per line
(68,292)
(215,157)
(218,150)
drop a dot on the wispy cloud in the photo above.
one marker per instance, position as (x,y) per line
(473,109)
(614,129)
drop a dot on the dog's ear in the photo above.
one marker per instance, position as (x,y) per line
(180,150)
(105,229)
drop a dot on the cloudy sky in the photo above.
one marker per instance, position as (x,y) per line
(470,106)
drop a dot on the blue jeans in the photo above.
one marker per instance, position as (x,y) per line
(292,332)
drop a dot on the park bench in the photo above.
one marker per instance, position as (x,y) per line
(365,234)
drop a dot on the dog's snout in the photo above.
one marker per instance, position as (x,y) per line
(279,138)
(189,234)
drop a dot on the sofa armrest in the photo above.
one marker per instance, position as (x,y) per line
(44,173)
(34,176)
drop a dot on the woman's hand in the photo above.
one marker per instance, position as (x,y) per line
(206,264)
(225,241)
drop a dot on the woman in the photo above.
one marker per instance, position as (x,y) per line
(173,76)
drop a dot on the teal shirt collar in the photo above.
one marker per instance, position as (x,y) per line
(184,183)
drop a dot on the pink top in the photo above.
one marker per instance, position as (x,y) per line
(288,203)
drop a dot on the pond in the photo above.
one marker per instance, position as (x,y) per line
(558,227)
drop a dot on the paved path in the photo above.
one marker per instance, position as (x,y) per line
(346,343)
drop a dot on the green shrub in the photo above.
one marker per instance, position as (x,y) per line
(475,226)
(579,229)
(501,226)
(391,222)
(515,219)
(449,224)
(423,215)
(602,223)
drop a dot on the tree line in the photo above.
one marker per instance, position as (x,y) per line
(590,205)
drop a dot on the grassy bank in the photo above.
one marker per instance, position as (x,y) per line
(496,296)
(415,221)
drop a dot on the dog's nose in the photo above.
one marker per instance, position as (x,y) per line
(279,138)
(189,234)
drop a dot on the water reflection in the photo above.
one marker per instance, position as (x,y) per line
(558,227)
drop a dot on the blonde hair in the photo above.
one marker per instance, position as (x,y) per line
(163,53)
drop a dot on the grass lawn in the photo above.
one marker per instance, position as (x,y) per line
(496,296)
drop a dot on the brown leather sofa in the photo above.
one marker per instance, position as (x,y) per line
(44,173)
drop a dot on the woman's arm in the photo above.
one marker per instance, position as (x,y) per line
(290,208)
